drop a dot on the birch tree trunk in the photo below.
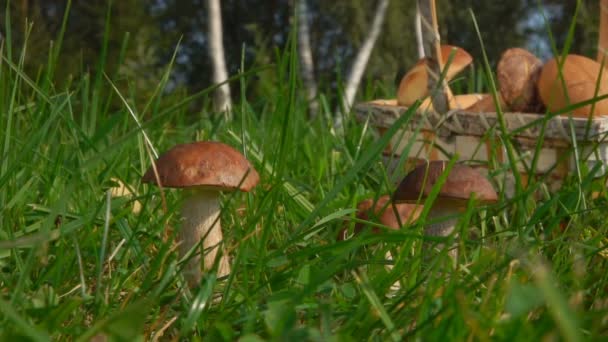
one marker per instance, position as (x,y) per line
(602,45)
(418,30)
(222,101)
(306,61)
(358,67)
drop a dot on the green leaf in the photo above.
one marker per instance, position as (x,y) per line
(13,317)
(304,275)
(251,338)
(199,304)
(333,216)
(522,299)
(126,324)
(280,317)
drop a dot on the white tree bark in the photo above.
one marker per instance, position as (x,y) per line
(306,61)
(602,45)
(418,30)
(358,67)
(223,100)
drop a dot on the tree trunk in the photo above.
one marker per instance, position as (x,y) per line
(358,67)
(24,8)
(602,46)
(418,30)
(306,61)
(222,101)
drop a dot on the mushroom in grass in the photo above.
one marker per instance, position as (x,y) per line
(413,85)
(462,184)
(120,189)
(203,170)
(384,211)
(393,216)
(517,72)
(580,78)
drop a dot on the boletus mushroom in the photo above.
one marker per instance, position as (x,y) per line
(517,72)
(120,189)
(580,78)
(388,214)
(464,102)
(462,184)
(486,104)
(391,215)
(202,170)
(413,85)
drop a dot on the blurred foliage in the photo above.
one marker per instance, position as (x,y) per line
(84,37)
(149,31)
(587,24)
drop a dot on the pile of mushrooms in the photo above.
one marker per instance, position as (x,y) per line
(525,84)
(414,85)
(202,170)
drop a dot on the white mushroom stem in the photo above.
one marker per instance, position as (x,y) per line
(444,227)
(446,215)
(200,212)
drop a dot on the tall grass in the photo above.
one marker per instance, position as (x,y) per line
(78,262)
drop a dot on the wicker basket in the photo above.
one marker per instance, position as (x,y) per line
(475,137)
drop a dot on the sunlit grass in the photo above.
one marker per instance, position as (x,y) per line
(77,262)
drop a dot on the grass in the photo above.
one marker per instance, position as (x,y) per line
(77,262)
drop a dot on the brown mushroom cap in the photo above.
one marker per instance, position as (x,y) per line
(464,102)
(517,72)
(486,104)
(580,77)
(384,211)
(413,85)
(462,182)
(204,165)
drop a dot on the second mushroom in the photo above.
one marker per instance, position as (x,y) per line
(462,184)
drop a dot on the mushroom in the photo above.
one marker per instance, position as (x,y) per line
(455,102)
(120,189)
(486,104)
(413,85)
(462,183)
(384,211)
(205,169)
(580,77)
(465,100)
(517,72)
(393,216)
